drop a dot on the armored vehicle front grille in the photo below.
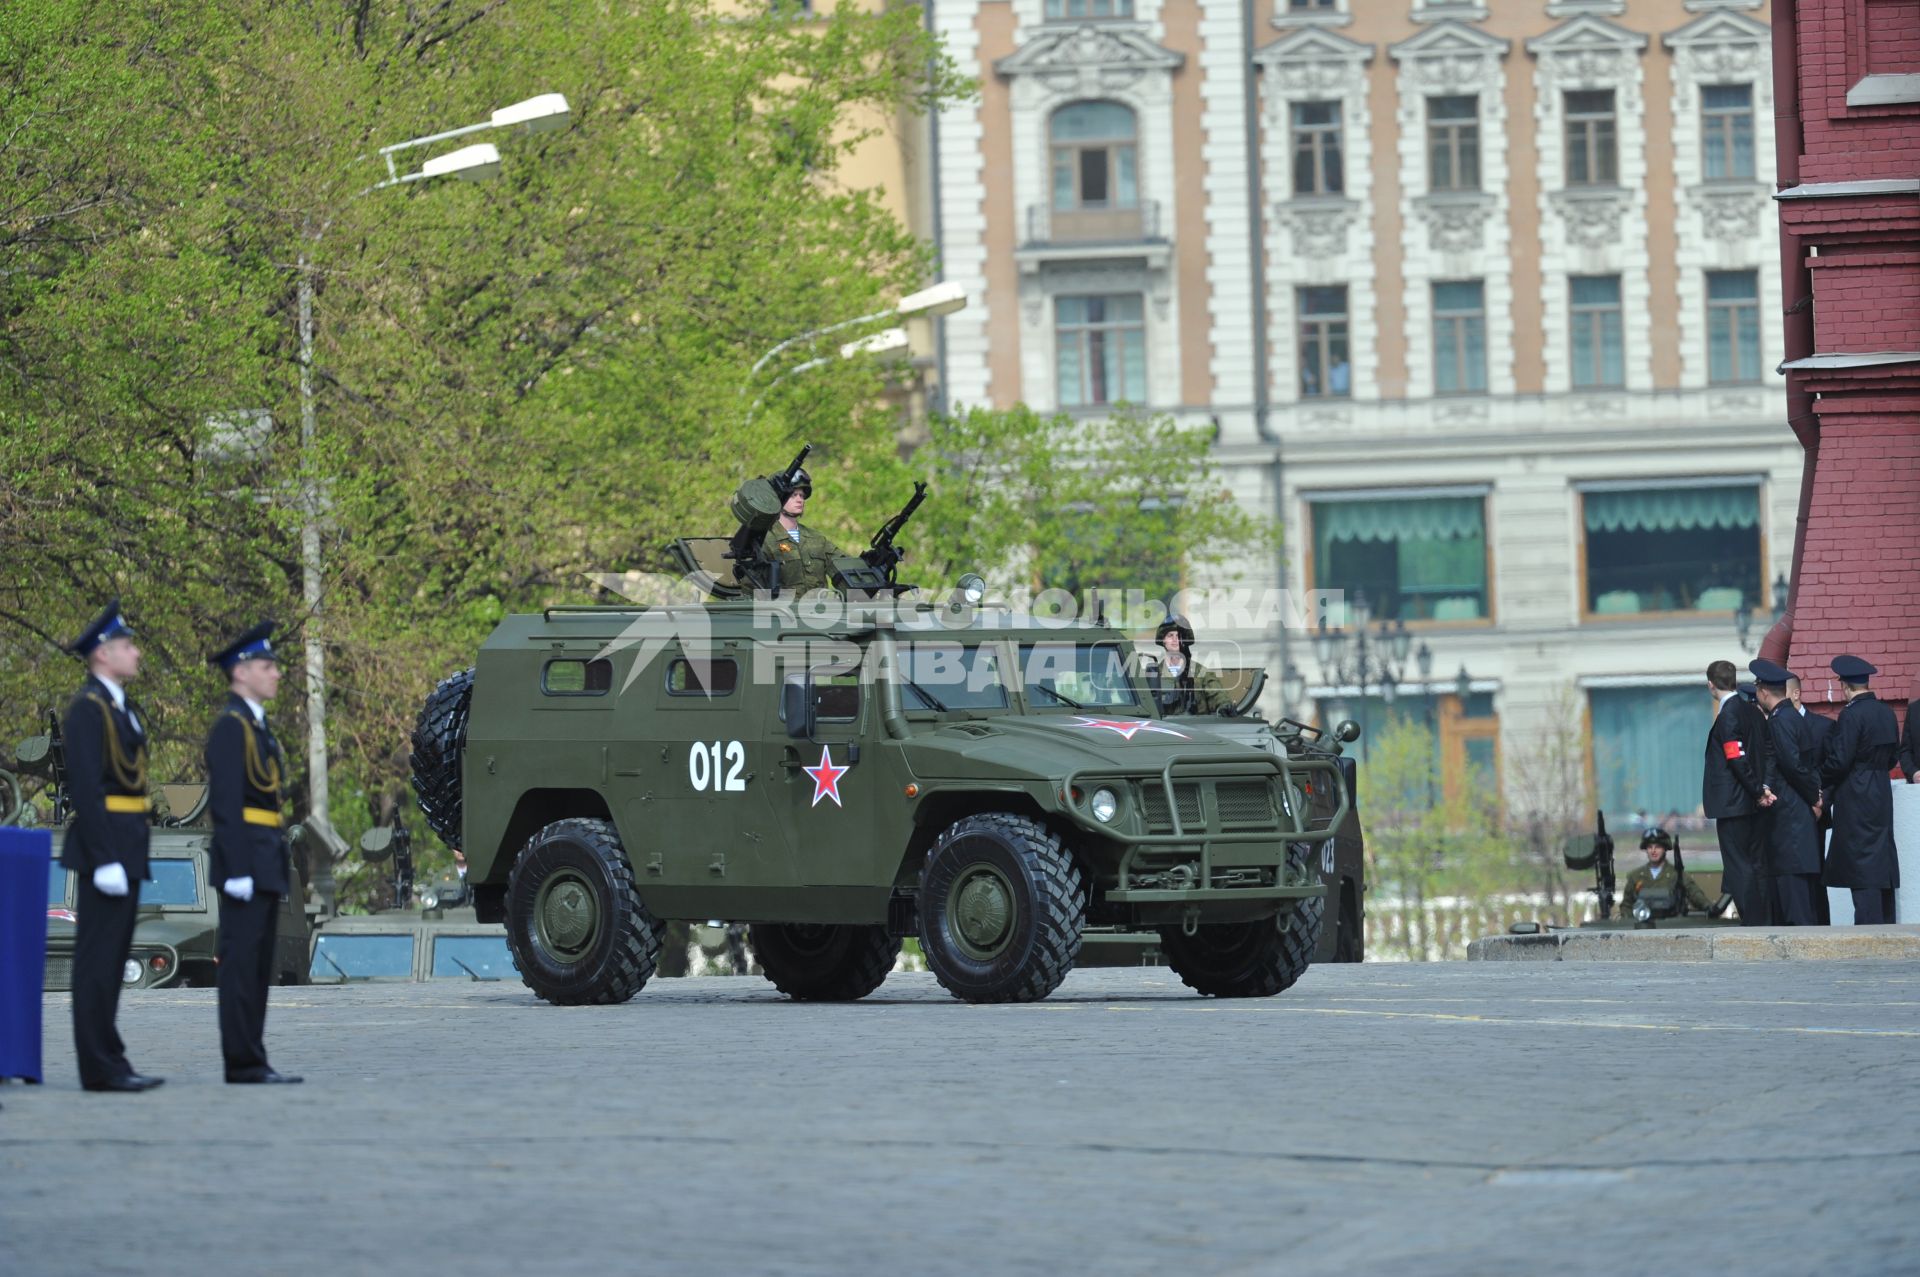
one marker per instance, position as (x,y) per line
(1245,802)
(59,974)
(1154,803)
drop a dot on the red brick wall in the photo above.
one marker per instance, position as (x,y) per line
(1866,300)
(1840,42)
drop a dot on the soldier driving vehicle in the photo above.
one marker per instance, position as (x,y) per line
(1658,889)
(1181,685)
(988,788)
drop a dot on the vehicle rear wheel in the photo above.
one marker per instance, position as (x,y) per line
(824,963)
(1002,907)
(575,924)
(438,737)
(1249,959)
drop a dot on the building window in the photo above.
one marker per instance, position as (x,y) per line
(1733,326)
(1313,6)
(1316,149)
(1077,10)
(1591,145)
(1417,558)
(1693,546)
(1646,752)
(1094,160)
(1324,369)
(1726,127)
(1100,346)
(1460,338)
(1453,144)
(1599,347)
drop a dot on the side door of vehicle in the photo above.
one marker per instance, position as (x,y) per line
(826,789)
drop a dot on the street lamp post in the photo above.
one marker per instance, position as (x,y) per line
(541,114)
(1743,615)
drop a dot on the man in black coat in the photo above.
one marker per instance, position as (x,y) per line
(1818,726)
(1734,793)
(1910,745)
(105,746)
(1859,754)
(1793,834)
(244,772)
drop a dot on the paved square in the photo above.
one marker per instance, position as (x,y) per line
(1452,1118)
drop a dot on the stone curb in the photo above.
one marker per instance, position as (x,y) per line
(1706,944)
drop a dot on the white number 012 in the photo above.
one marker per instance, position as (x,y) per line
(704,765)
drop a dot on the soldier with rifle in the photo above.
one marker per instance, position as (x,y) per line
(1657,878)
(773,551)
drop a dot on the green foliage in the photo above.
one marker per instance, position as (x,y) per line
(516,381)
(1130,502)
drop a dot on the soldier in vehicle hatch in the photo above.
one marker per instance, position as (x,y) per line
(805,556)
(1658,875)
(1181,685)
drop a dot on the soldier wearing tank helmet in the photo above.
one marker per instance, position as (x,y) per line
(805,556)
(1181,685)
(1659,876)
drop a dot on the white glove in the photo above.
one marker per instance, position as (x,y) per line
(239,888)
(111,880)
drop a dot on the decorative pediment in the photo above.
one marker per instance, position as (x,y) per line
(1314,44)
(1088,47)
(1450,58)
(1586,34)
(1722,27)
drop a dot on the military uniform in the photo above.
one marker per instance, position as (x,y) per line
(1739,748)
(245,767)
(1793,834)
(1859,755)
(105,745)
(1643,879)
(805,559)
(1195,690)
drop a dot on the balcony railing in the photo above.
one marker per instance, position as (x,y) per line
(1048,226)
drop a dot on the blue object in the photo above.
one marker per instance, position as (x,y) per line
(110,624)
(26,858)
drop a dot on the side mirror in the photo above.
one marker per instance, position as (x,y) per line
(796,708)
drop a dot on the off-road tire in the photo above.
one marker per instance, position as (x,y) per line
(1250,959)
(576,926)
(823,963)
(1023,904)
(438,737)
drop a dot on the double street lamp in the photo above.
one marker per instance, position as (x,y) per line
(543,114)
(1374,656)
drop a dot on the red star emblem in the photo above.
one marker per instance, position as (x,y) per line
(1128,727)
(826,778)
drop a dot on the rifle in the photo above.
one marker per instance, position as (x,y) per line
(881,553)
(783,481)
(1603,865)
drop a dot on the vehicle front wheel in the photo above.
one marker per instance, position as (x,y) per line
(1002,907)
(824,963)
(575,923)
(1247,959)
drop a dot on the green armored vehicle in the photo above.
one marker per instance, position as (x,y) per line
(430,933)
(176,934)
(987,783)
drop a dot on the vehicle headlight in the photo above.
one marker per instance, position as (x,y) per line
(1642,911)
(130,973)
(428,900)
(1104,805)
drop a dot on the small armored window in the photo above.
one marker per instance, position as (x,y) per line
(569,677)
(701,677)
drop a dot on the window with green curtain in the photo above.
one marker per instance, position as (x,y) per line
(1416,558)
(1691,549)
(1648,745)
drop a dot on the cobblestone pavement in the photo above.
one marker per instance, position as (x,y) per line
(1454,1118)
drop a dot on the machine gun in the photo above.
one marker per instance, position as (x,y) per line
(876,570)
(46,757)
(384,842)
(756,504)
(1599,858)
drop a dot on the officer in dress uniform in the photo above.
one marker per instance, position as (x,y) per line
(1181,685)
(1859,753)
(805,556)
(1793,833)
(1734,793)
(105,741)
(244,772)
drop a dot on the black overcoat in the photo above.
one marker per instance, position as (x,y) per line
(1859,753)
(1792,830)
(1738,750)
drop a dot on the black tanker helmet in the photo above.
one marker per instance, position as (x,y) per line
(1658,837)
(802,482)
(1175,621)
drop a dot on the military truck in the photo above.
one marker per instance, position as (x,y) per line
(988,783)
(176,933)
(429,933)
